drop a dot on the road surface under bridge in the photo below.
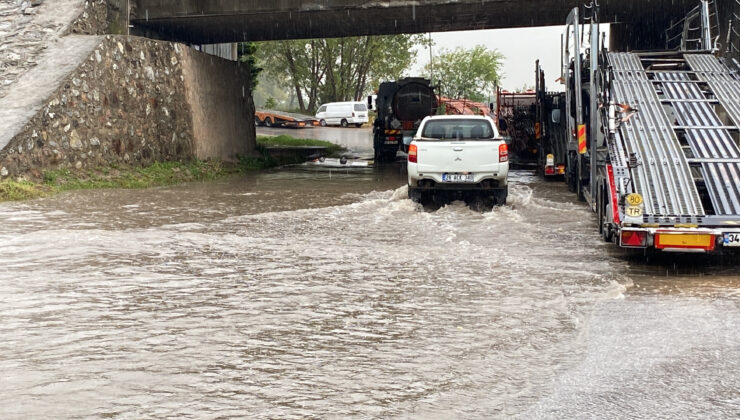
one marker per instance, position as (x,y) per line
(217,21)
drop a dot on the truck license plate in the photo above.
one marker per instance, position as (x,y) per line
(457,178)
(732,239)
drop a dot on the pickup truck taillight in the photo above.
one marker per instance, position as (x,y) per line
(412,153)
(503,153)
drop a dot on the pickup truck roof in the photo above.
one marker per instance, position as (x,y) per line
(459,117)
(496,134)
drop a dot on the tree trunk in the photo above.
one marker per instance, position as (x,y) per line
(294,76)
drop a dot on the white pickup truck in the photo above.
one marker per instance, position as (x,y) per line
(458,157)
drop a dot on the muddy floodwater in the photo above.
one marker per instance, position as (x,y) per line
(311,294)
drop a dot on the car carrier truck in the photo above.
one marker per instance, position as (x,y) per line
(652,137)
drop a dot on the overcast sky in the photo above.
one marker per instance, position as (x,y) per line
(521,47)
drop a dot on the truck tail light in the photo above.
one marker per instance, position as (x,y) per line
(503,153)
(413,153)
(634,239)
(353,115)
(549,170)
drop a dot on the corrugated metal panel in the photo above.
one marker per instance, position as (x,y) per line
(721,171)
(226,51)
(664,177)
(724,83)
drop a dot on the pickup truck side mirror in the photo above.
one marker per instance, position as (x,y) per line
(370,102)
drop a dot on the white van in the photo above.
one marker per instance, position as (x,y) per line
(342,113)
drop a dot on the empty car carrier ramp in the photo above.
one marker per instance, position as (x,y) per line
(680,148)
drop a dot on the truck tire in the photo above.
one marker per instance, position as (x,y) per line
(605,224)
(377,148)
(482,202)
(268,122)
(344,123)
(570,174)
(600,209)
(322,123)
(415,194)
(501,196)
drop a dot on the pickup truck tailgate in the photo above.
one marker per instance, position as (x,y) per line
(457,156)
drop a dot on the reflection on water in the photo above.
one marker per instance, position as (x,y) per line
(304,294)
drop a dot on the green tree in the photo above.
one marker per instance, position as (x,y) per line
(466,73)
(246,52)
(270,103)
(338,69)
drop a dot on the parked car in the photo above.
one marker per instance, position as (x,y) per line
(458,157)
(342,113)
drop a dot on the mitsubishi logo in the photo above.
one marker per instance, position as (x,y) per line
(457,159)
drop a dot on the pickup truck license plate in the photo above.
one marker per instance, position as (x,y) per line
(732,239)
(457,178)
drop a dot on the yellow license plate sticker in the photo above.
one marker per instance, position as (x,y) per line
(684,240)
(634,199)
(633,211)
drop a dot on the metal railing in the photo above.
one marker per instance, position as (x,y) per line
(733,32)
(698,31)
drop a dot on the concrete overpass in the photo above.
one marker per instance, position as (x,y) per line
(217,21)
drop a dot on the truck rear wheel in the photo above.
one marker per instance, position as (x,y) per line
(501,196)
(482,202)
(344,123)
(387,156)
(605,226)
(571,173)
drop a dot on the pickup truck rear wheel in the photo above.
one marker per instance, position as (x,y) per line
(417,195)
(501,196)
(482,202)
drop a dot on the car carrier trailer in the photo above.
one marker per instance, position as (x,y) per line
(652,139)
(272,118)
(552,142)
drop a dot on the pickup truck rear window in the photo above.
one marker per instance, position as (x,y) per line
(462,129)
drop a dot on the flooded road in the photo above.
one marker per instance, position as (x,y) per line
(311,294)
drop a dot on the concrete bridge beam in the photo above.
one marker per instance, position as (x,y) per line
(216,21)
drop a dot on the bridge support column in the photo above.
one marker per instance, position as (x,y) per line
(221,104)
(118,15)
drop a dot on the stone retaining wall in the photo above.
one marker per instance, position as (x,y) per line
(131,102)
(94,19)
